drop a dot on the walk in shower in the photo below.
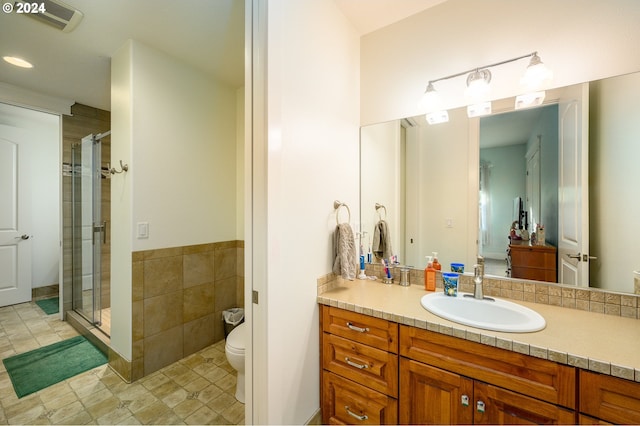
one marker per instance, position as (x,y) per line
(90,205)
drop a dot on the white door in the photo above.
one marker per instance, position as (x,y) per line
(15,240)
(533,185)
(573,191)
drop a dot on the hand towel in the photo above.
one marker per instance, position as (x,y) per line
(344,247)
(381,243)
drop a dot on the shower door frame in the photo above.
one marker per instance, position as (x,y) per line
(87,228)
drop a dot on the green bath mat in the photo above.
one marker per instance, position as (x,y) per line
(49,306)
(43,367)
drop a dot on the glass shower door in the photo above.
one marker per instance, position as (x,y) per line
(88,230)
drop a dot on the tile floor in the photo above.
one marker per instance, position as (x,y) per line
(196,390)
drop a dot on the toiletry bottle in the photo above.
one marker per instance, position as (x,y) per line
(436,265)
(429,275)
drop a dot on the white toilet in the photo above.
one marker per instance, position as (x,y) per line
(234,349)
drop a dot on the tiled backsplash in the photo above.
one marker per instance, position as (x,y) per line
(586,299)
(178,297)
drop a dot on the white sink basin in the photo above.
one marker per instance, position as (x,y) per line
(488,314)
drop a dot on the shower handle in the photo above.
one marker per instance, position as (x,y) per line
(102,229)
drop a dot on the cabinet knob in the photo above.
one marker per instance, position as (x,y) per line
(354,415)
(480,406)
(464,400)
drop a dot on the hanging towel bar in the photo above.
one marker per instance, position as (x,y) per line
(336,205)
(378,207)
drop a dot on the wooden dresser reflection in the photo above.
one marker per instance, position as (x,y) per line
(533,262)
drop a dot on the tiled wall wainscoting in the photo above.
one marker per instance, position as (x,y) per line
(178,296)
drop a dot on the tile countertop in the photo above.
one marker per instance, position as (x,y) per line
(602,343)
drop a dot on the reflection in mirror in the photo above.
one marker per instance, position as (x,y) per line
(434,187)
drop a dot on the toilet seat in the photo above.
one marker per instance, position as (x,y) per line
(236,340)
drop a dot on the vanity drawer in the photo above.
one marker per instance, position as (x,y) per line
(538,378)
(368,366)
(375,332)
(346,402)
(609,398)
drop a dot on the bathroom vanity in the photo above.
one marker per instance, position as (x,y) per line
(385,360)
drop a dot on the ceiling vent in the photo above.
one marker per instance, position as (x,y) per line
(53,12)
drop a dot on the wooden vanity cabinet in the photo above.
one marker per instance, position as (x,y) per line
(607,399)
(359,358)
(533,262)
(446,380)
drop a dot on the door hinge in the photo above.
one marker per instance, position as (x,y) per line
(254,296)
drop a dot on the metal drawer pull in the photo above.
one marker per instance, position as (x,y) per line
(354,364)
(358,329)
(352,414)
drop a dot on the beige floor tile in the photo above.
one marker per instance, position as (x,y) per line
(27,416)
(220,403)
(100,396)
(234,413)
(209,393)
(226,383)
(187,407)
(150,413)
(62,415)
(175,398)
(62,401)
(202,416)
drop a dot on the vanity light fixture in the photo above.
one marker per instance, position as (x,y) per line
(18,62)
(536,76)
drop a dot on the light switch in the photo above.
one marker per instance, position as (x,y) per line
(449,223)
(143,230)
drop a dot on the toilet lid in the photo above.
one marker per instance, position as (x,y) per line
(236,339)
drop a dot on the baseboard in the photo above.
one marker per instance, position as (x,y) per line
(316,419)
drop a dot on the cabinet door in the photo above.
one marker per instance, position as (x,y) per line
(609,398)
(346,402)
(429,395)
(494,405)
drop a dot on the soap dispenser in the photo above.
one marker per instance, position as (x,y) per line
(429,275)
(436,265)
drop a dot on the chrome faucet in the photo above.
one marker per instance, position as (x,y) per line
(478,276)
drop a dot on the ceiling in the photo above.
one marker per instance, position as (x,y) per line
(208,35)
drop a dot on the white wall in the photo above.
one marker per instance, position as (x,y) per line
(381,158)
(176,129)
(42,132)
(579,40)
(506,181)
(444,176)
(184,153)
(312,159)
(613,163)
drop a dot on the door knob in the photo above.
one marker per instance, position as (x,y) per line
(25,237)
(574,256)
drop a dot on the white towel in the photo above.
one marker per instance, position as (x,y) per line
(382,241)
(344,247)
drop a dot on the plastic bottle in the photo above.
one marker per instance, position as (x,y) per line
(436,265)
(429,275)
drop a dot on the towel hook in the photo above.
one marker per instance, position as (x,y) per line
(380,206)
(123,168)
(336,205)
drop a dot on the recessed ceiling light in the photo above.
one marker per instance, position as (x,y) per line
(18,62)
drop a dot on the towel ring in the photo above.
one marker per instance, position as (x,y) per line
(380,206)
(336,205)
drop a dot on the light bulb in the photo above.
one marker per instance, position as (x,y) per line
(537,75)
(478,89)
(430,100)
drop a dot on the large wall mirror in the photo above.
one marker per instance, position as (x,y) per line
(450,188)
